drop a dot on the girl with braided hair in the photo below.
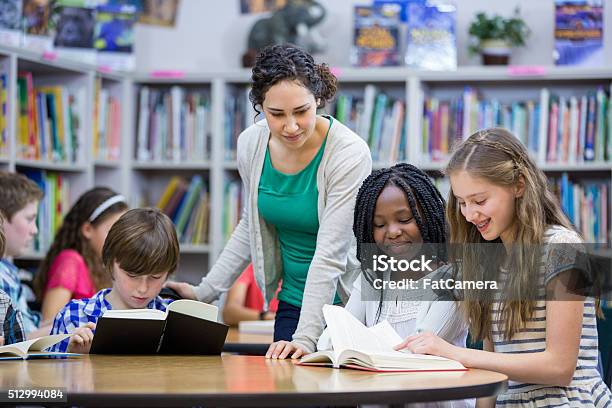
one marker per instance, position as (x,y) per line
(301,172)
(545,339)
(397,210)
(72,268)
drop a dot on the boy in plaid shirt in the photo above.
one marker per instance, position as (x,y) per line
(140,252)
(19,197)
(10,319)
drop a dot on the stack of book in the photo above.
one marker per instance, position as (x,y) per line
(187,204)
(378,119)
(174,125)
(53,206)
(106,124)
(49,122)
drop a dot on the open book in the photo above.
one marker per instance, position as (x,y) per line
(34,348)
(187,327)
(371,349)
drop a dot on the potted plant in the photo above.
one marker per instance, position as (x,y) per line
(495,36)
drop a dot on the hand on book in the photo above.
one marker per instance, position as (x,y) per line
(182,288)
(428,343)
(281,350)
(81,339)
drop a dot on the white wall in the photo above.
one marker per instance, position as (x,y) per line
(210,35)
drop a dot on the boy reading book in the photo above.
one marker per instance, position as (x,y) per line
(140,252)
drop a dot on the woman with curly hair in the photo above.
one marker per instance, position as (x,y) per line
(301,172)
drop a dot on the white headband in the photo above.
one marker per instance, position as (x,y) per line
(106,205)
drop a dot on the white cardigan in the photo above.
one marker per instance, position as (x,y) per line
(346,162)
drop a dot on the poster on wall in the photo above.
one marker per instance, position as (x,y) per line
(579,29)
(260,6)
(159,12)
(37,24)
(10,22)
(74,33)
(376,36)
(114,34)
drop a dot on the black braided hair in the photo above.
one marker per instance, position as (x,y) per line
(425,201)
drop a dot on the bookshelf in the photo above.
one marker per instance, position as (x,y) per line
(144,178)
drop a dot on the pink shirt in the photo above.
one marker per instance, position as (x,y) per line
(254,298)
(69,270)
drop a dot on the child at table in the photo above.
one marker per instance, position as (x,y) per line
(11,325)
(397,210)
(72,268)
(548,348)
(139,253)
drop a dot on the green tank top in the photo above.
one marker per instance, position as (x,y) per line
(290,203)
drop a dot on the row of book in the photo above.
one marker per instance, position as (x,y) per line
(237,118)
(187,204)
(50,120)
(52,207)
(587,205)
(106,124)
(555,128)
(378,118)
(233,204)
(4,136)
(174,125)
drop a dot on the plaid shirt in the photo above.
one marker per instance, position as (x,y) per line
(11,285)
(79,312)
(10,321)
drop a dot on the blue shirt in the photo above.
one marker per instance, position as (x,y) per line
(11,285)
(11,324)
(79,312)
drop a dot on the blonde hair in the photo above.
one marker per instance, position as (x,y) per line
(498,157)
(142,242)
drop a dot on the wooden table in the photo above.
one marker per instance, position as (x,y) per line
(233,380)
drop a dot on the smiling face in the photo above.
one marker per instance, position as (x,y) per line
(395,229)
(490,207)
(291,113)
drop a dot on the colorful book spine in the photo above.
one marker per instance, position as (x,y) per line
(106,124)
(587,205)
(233,199)
(378,118)
(173,125)
(187,204)
(49,121)
(53,206)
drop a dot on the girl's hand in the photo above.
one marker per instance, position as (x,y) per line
(182,288)
(281,350)
(81,339)
(427,343)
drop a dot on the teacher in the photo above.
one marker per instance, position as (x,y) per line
(301,172)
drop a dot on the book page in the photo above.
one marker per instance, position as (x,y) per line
(194,308)
(22,348)
(386,334)
(347,332)
(144,314)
